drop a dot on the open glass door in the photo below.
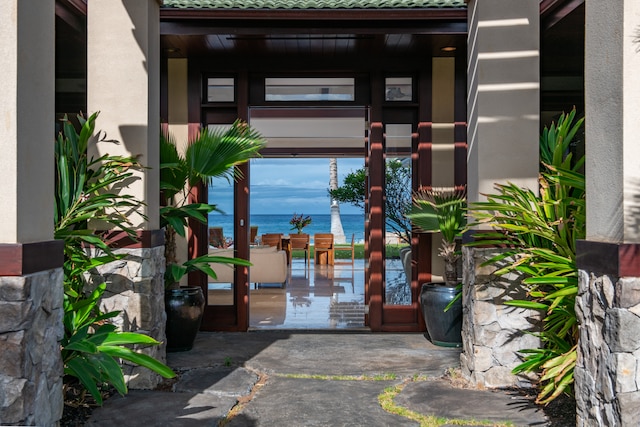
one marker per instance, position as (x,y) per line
(392,155)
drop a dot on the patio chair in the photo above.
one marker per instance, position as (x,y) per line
(347,248)
(216,237)
(272,239)
(300,242)
(253,233)
(323,248)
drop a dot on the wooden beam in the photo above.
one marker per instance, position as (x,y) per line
(20,259)
(553,11)
(316,14)
(274,28)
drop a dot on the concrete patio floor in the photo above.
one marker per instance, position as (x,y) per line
(284,378)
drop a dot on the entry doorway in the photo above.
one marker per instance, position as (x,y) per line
(286,181)
(300,141)
(297,134)
(315,296)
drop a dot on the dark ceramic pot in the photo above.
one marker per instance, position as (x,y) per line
(184,307)
(444,328)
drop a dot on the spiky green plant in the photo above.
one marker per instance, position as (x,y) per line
(442,210)
(542,230)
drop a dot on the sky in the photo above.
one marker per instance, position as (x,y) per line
(282,186)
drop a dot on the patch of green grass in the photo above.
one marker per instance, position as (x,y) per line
(379,377)
(386,400)
(391,251)
(387,397)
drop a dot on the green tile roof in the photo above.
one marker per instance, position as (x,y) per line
(313,4)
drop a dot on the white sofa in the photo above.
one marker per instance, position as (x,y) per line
(269,265)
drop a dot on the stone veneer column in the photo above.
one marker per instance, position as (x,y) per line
(30,261)
(503,115)
(607,373)
(123,83)
(493,333)
(135,286)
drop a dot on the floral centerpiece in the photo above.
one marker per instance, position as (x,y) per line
(299,222)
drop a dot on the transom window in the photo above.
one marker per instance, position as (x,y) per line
(309,89)
(220,89)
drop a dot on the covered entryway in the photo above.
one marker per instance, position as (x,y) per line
(404,69)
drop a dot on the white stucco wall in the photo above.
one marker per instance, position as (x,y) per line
(123,83)
(26,121)
(612,120)
(503,94)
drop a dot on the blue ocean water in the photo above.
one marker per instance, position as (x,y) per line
(280,224)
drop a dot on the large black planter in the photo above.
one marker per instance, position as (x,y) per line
(184,307)
(444,328)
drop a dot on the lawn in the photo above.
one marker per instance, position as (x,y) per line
(392,251)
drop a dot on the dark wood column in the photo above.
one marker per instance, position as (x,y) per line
(376,226)
(423,243)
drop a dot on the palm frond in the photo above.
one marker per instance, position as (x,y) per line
(214,152)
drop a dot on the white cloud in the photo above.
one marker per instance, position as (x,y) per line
(290,185)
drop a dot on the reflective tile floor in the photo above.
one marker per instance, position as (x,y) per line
(314,297)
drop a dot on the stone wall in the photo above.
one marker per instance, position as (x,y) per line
(493,333)
(30,359)
(135,286)
(607,373)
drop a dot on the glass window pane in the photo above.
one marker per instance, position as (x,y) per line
(398,230)
(220,89)
(398,89)
(221,291)
(309,89)
(398,138)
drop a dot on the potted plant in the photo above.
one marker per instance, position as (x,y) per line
(442,210)
(211,154)
(299,222)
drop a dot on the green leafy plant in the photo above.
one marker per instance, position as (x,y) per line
(82,193)
(442,210)
(91,346)
(542,232)
(211,154)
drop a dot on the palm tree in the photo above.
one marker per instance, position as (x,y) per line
(336,222)
(211,154)
(442,210)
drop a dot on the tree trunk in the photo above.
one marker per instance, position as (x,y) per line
(336,222)
(170,253)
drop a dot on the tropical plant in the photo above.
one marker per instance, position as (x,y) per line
(442,210)
(91,345)
(211,154)
(397,195)
(542,232)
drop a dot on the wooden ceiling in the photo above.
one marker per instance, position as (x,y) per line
(313,34)
(317,38)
